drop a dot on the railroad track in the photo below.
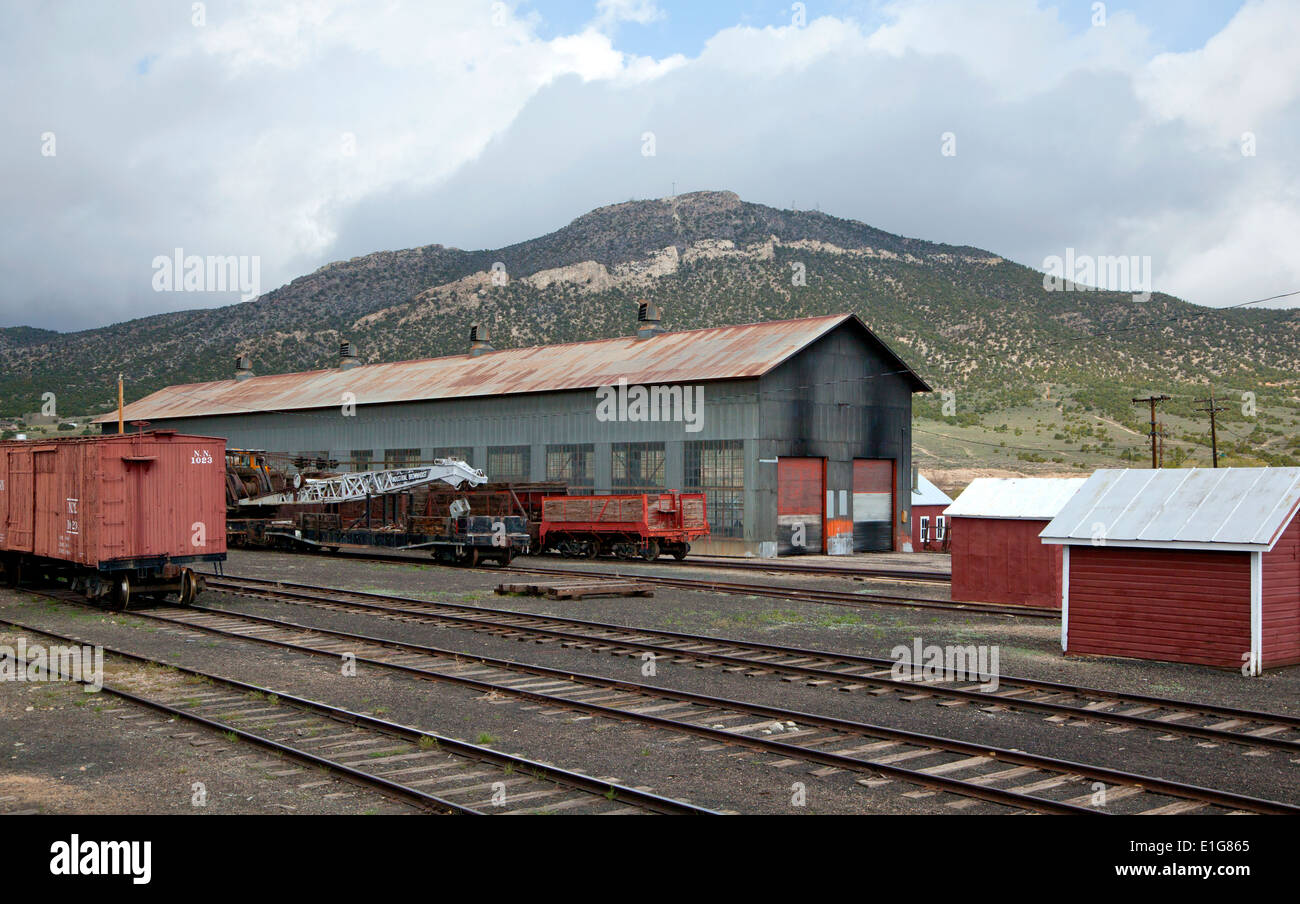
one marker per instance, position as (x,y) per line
(398,761)
(792,566)
(838,671)
(1008,777)
(803,594)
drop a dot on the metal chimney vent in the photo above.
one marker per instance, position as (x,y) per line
(648,315)
(243,367)
(347,356)
(479,340)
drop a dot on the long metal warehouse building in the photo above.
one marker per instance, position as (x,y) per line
(798,431)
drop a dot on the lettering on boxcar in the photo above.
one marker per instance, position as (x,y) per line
(203,457)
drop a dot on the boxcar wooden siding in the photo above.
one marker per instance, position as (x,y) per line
(1281,599)
(1173,605)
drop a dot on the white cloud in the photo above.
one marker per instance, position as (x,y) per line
(472,129)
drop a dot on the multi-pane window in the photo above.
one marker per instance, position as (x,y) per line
(361,459)
(401,458)
(925,528)
(717,468)
(574,465)
(460,453)
(509,464)
(939,525)
(637,467)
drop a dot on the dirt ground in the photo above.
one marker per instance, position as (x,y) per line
(141,767)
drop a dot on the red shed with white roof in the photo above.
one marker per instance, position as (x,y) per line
(929,523)
(1196,565)
(996,554)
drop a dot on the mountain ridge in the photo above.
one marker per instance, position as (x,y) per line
(967,320)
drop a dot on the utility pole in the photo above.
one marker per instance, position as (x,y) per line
(1214,434)
(1152,401)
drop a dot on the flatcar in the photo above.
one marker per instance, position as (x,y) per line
(114,517)
(643,525)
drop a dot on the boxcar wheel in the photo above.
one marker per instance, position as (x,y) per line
(651,551)
(122,591)
(681,550)
(187,587)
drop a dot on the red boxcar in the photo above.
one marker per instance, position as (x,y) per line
(113,514)
(627,526)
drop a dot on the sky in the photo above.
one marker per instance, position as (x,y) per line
(280,136)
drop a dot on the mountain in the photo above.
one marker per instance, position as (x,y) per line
(1038,380)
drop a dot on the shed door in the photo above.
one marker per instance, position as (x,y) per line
(873,505)
(18,487)
(799,500)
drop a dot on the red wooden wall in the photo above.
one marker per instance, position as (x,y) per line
(1167,604)
(925,511)
(1281,599)
(998,560)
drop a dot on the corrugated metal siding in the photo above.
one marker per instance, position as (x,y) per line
(1238,507)
(1002,561)
(1039,498)
(1281,599)
(799,503)
(721,353)
(839,400)
(873,505)
(1169,605)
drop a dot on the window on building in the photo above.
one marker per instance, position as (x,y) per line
(401,458)
(574,465)
(638,467)
(925,528)
(940,523)
(509,464)
(717,468)
(460,453)
(361,459)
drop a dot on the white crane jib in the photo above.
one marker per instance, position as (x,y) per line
(359,485)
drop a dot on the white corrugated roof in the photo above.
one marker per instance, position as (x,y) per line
(927,493)
(1032,498)
(1190,508)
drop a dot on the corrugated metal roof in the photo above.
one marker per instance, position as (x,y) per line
(720,353)
(1192,508)
(927,493)
(1032,498)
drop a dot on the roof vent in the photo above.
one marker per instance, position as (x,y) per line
(347,356)
(479,340)
(648,315)
(243,367)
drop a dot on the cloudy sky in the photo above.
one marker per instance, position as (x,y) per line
(306,131)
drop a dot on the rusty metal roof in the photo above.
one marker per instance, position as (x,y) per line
(1243,509)
(720,353)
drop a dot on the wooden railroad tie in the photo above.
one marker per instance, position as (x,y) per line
(576,590)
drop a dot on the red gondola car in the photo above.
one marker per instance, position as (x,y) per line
(114,515)
(644,525)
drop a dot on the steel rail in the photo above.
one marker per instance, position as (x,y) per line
(622,793)
(816,672)
(805,594)
(938,782)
